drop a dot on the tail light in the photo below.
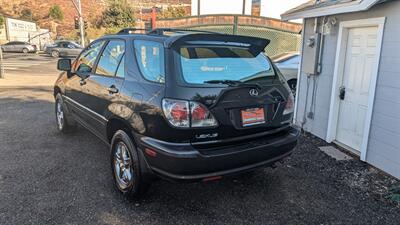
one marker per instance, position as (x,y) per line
(289,107)
(177,112)
(183,114)
(201,116)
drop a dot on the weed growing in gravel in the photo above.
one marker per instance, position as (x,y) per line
(394,193)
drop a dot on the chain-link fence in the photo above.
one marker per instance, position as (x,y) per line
(281,41)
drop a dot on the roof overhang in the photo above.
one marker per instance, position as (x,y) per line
(347,7)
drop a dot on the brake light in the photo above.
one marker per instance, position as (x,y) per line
(289,107)
(201,116)
(178,114)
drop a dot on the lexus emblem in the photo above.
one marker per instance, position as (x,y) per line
(253,92)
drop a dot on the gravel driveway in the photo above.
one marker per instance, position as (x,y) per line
(49,178)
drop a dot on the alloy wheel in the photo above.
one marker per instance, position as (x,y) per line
(123,166)
(60,116)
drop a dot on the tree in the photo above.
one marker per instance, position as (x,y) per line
(56,13)
(119,14)
(2,21)
(26,14)
(172,12)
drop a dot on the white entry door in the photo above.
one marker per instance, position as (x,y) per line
(355,85)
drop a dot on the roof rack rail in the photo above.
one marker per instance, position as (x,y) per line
(131,30)
(161,31)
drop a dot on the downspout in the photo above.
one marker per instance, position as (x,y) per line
(321,46)
(296,104)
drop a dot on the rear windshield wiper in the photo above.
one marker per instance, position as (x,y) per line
(232,83)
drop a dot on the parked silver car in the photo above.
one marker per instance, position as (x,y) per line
(18,46)
(64,48)
(288,63)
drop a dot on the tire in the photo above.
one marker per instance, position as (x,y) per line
(64,124)
(125,165)
(55,54)
(25,51)
(292,85)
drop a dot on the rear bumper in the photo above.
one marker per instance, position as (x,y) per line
(183,162)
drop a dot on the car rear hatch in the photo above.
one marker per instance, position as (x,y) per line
(230,77)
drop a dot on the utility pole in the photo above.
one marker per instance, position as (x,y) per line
(1,64)
(78,7)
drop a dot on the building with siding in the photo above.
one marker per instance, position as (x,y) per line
(349,79)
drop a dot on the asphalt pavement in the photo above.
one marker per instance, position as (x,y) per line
(28,64)
(50,178)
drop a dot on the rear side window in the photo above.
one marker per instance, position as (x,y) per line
(203,64)
(150,57)
(88,57)
(110,58)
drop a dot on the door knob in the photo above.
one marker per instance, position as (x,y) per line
(112,89)
(342,93)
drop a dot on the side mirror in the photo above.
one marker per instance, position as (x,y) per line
(64,65)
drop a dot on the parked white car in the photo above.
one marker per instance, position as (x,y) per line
(288,63)
(18,46)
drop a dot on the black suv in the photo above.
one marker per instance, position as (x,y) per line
(186,106)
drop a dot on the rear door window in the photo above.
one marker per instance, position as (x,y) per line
(150,57)
(199,65)
(111,58)
(63,45)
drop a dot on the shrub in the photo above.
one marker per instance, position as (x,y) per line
(56,13)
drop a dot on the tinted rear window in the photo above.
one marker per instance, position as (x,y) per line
(202,64)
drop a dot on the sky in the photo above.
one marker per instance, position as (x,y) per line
(269,8)
(274,8)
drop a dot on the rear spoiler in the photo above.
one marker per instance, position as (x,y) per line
(254,44)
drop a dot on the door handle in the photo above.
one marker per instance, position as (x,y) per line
(342,92)
(112,89)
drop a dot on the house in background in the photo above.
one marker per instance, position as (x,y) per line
(26,31)
(349,80)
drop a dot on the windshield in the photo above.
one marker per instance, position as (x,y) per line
(202,65)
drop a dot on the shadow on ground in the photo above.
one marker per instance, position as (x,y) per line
(50,178)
